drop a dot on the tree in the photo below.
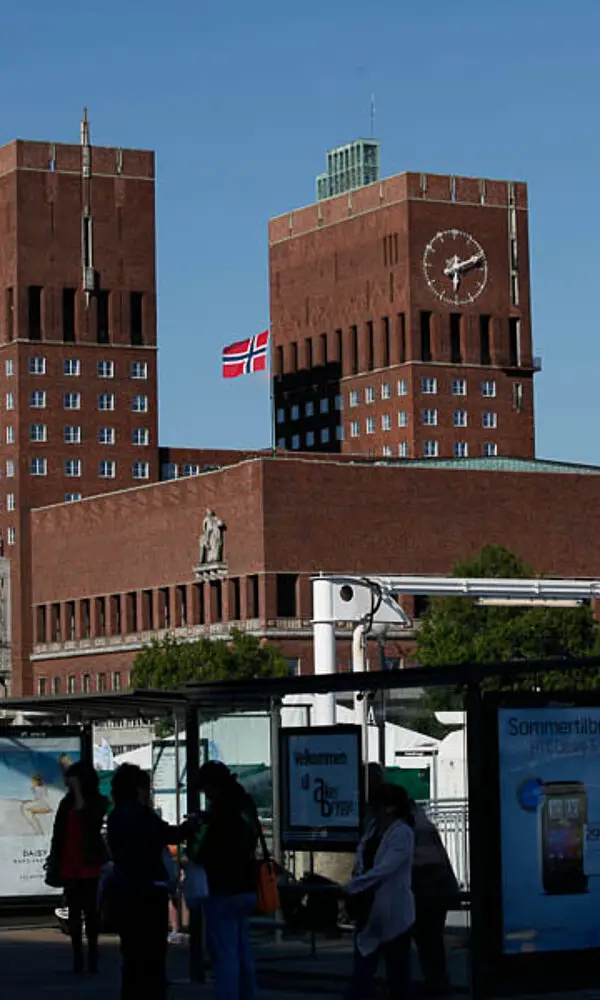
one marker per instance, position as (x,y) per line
(459,630)
(168,663)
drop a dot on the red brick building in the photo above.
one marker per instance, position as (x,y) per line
(113,570)
(401,320)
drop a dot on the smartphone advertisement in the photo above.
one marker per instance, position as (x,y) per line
(550,828)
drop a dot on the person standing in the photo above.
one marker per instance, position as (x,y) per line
(139,887)
(381,897)
(226,848)
(434,887)
(79,852)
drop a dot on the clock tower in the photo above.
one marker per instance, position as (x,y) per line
(401,324)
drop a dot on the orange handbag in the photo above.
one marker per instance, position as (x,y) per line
(267,877)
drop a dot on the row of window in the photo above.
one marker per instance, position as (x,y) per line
(171,470)
(72,366)
(72,401)
(35,311)
(104,682)
(460,449)
(73,435)
(107,468)
(324,405)
(429,418)
(324,436)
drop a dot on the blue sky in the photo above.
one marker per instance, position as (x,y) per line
(241,101)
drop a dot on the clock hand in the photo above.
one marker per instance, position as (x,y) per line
(466,265)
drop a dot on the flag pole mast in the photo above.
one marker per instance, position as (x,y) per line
(272,398)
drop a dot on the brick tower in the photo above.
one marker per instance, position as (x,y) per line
(401,323)
(77,341)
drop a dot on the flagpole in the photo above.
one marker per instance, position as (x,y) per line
(272,398)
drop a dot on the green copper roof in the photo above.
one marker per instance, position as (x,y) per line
(506,465)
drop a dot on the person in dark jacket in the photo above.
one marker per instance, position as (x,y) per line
(138,840)
(79,852)
(226,847)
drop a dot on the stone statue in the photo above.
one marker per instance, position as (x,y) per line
(211,539)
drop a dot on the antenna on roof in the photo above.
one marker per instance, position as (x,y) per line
(372,116)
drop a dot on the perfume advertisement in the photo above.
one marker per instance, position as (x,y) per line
(550,828)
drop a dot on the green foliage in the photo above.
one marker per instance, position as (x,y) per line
(168,663)
(458,630)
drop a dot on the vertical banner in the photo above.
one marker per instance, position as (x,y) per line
(550,828)
(322,785)
(33,763)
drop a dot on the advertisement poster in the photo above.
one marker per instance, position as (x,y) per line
(32,769)
(164,781)
(550,828)
(322,785)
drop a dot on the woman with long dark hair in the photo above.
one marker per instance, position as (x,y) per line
(79,852)
(380,895)
(139,886)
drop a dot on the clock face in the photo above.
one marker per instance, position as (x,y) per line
(455,267)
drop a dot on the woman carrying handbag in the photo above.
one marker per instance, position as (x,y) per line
(380,896)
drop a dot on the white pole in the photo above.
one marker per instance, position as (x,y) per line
(324,647)
(361,704)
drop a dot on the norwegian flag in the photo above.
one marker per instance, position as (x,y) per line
(246,356)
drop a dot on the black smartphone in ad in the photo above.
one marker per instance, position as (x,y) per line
(562,833)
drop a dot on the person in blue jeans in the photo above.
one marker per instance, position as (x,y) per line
(381,897)
(226,847)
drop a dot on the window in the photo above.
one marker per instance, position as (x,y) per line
(354,398)
(324,405)
(106,435)
(106,401)
(170,470)
(514,341)
(73,467)
(136,330)
(72,400)
(339,402)
(140,470)
(11,536)
(37,366)
(101,683)
(386,391)
(295,412)
(455,348)
(461,449)
(354,429)
(429,418)
(425,336)
(459,387)
(354,348)
(281,442)
(9,368)
(42,686)
(68,315)
(107,469)
(429,386)
(86,684)
(139,369)
(286,605)
(490,449)
(402,387)
(72,435)
(385,331)
(10,468)
(370,346)
(10,435)
(310,439)
(280,415)
(9,313)
(56,685)
(102,329)
(116,680)
(430,449)
(309,409)
(402,418)
(518,396)
(72,497)
(387,451)
(72,366)
(296,442)
(188,470)
(141,436)
(106,369)
(34,312)
(10,400)
(403,449)
(10,501)
(71,684)
(339,433)
(488,389)
(38,467)
(490,420)
(459,418)
(369,394)
(370,425)
(324,435)
(485,354)
(386,422)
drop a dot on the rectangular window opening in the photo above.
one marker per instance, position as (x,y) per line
(34,312)
(68,315)
(370,346)
(485,354)
(455,345)
(136,300)
(425,336)
(354,349)
(102,328)
(385,323)
(286,595)
(514,341)
(9,315)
